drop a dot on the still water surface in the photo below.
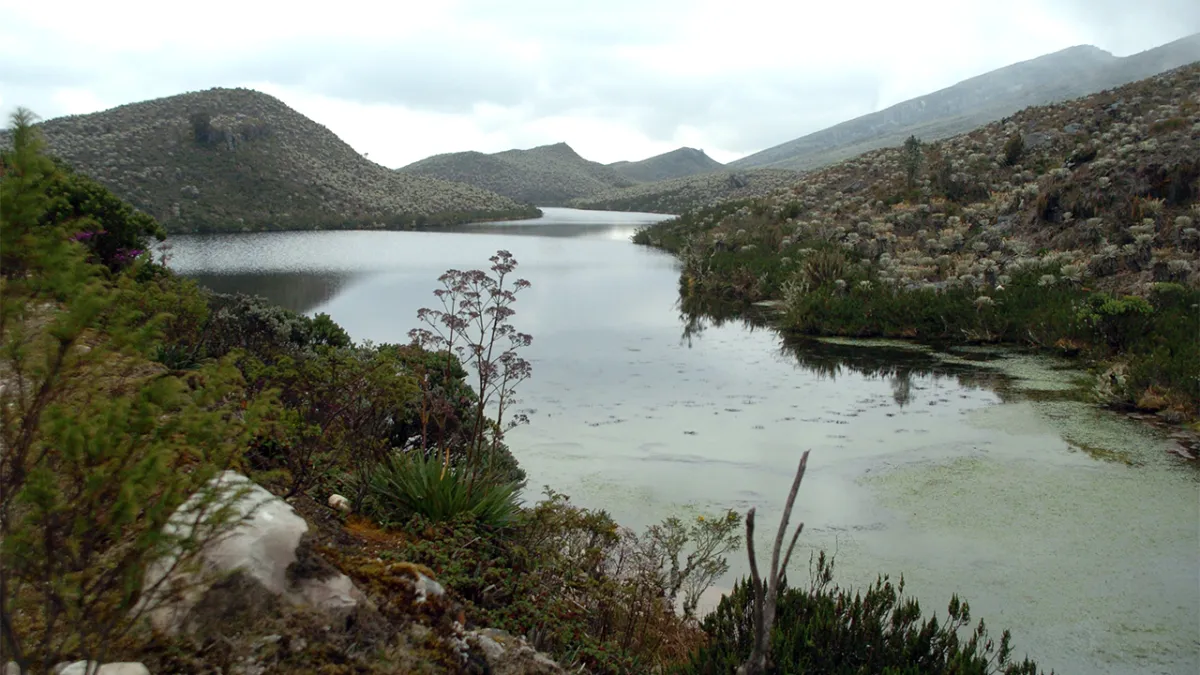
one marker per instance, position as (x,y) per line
(966,472)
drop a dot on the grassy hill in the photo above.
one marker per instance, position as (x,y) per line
(1067,74)
(677,163)
(547,175)
(238,159)
(1072,225)
(691,192)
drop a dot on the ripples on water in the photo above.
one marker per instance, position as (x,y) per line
(932,464)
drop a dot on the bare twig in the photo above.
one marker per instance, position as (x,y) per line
(766,594)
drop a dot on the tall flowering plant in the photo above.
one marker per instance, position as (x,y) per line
(473,325)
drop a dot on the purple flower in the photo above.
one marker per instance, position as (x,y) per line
(127,254)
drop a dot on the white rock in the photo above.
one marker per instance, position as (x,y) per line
(492,650)
(509,655)
(427,588)
(339,502)
(81,668)
(262,546)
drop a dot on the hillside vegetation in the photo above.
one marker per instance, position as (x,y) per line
(237,160)
(547,175)
(683,194)
(677,163)
(1062,75)
(1071,225)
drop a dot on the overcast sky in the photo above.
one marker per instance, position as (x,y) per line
(616,79)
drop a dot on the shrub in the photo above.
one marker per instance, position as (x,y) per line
(413,484)
(247,322)
(1166,354)
(340,410)
(834,631)
(112,231)
(324,332)
(911,161)
(822,268)
(596,596)
(1169,124)
(99,446)
(765,627)
(1014,149)
(1116,321)
(710,538)
(203,132)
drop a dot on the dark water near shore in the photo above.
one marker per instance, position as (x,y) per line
(964,471)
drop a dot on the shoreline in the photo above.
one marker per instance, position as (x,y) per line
(1185,432)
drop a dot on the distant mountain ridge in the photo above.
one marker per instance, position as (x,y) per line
(1059,76)
(677,163)
(679,195)
(238,159)
(548,175)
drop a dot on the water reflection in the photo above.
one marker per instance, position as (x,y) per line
(601,231)
(898,363)
(563,222)
(297,291)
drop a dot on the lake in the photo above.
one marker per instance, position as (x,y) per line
(966,471)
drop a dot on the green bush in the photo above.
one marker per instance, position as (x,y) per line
(823,267)
(911,160)
(833,631)
(1118,322)
(99,447)
(1014,149)
(412,484)
(1023,312)
(594,595)
(1165,354)
(324,331)
(113,231)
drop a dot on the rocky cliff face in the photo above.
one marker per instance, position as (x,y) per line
(1070,73)
(237,159)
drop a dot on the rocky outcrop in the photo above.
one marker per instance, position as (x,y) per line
(265,554)
(86,668)
(508,655)
(82,668)
(274,604)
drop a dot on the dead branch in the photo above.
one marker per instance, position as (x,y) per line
(765,595)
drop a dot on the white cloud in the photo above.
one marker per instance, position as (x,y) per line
(622,79)
(78,100)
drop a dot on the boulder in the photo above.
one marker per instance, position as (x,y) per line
(339,503)
(266,546)
(425,588)
(508,655)
(1110,385)
(81,668)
